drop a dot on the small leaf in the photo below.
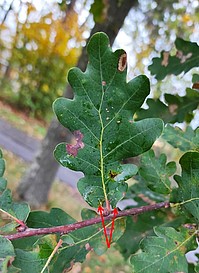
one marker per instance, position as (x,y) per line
(46,245)
(7,253)
(56,217)
(181,108)
(128,170)
(67,239)
(6,248)
(187,193)
(164,253)
(156,172)
(30,261)
(183,140)
(185,59)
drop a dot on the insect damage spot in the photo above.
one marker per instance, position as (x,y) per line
(182,57)
(73,148)
(122,62)
(165,60)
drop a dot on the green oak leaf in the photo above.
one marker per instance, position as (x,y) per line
(7,253)
(137,228)
(187,193)
(99,11)
(195,78)
(101,119)
(183,140)
(7,205)
(142,225)
(187,57)
(29,261)
(178,109)
(182,108)
(163,253)
(156,172)
(56,217)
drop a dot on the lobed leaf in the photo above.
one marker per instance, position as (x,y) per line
(178,109)
(187,57)
(29,260)
(101,119)
(137,228)
(156,172)
(163,253)
(183,140)
(187,193)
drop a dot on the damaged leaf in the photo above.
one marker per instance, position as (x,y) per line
(101,118)
(186,57)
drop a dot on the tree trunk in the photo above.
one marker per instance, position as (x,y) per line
(37,182)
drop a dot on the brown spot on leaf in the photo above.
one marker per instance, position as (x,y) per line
(88,247)
(72,149)
(112,174)
(183,58)
(173,109)
(122,62)
(165,60)
(195,85)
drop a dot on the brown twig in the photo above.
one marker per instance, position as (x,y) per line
(69,228)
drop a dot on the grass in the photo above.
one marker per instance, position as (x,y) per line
(61,195)
(33,127)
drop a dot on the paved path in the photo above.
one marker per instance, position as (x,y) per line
(25,147)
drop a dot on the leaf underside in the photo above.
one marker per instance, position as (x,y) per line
(101,119)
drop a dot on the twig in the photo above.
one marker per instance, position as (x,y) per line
(71,227)
(22,225)
(52,254)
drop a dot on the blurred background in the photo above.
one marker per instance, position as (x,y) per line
(39,42)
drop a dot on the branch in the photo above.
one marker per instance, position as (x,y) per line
(69,228)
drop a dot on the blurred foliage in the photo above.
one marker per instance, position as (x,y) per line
(39,54)
(154,25)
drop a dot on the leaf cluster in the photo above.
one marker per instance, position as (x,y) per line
(110,130)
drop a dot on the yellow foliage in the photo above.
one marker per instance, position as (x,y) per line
(186,18)
(45,88)
(61,38)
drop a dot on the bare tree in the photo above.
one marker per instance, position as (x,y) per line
(36,183)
